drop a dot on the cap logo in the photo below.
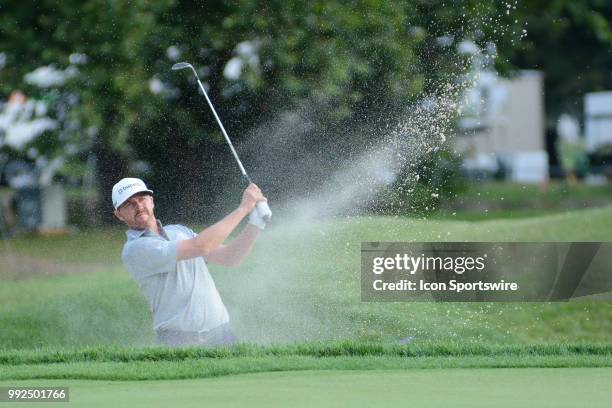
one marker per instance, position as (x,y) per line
(122,189)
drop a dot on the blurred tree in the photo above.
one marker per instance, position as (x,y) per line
(109,87)
(343,63)
(351,65)
(347,68)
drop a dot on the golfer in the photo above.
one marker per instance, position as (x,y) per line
(169,264)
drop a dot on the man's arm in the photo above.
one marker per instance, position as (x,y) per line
(234,253)
(212,237)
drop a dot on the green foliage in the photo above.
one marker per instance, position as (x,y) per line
(348,63)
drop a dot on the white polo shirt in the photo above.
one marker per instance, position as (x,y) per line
(181,294)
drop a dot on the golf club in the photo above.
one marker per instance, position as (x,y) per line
(262,207)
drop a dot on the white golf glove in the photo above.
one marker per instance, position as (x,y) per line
(256,220)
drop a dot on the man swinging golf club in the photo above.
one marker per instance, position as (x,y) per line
(169,264)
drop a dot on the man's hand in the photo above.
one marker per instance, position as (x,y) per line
(250,197)
(209,242)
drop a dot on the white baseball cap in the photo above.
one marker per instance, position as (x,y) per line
(126,188)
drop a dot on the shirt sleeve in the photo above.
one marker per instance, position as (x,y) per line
(150,256)
(190,232)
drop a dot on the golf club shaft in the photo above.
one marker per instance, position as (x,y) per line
(229,142)
(262,207)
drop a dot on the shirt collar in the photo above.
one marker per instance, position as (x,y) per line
(136,233)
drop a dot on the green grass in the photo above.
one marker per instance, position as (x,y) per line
(318,350)
(115,363)
(298,297)
(206,368)
(91,308)
(512,387)
(85,247)
(517,193)
(493,200)
(301,284)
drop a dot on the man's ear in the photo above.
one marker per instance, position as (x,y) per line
(118,216)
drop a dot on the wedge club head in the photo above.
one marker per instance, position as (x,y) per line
(181,65)
(184,65)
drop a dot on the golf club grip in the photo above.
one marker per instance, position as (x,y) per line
(263,209)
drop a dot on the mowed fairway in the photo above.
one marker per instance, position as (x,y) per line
(512,387)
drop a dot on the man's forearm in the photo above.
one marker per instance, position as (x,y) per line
(234,253)
(212,237)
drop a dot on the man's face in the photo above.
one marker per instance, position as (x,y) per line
(137,211)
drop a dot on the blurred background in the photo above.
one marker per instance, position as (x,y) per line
(463,111)
(87,97)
